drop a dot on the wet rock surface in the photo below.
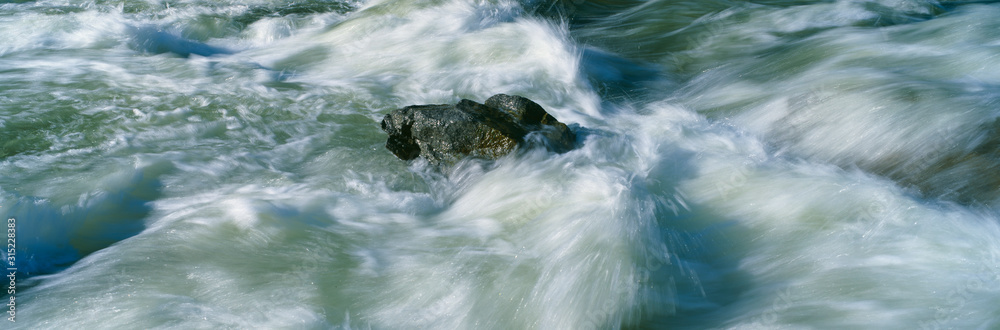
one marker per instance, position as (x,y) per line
(443,134)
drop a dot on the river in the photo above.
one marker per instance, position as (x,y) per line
(198,164)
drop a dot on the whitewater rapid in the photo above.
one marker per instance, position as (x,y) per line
(741,165)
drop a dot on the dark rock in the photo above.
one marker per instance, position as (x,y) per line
(531,115)
(443,134)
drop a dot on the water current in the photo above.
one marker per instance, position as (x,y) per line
(198,164)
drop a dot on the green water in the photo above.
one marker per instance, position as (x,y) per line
(742,165)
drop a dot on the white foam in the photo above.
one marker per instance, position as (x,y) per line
(275,205)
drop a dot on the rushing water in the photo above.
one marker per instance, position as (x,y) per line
(199,164)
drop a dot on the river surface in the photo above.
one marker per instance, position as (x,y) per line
(199,164)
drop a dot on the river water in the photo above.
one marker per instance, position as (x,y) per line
(199,164)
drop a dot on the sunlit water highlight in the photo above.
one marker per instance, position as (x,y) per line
(793,164)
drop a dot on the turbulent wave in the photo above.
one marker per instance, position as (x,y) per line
(766,164)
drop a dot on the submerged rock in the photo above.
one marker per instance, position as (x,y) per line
(443,134)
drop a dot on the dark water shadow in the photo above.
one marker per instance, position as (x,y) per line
(255,13)
(702,254)
(52,236)
(619,80)
(153,40)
